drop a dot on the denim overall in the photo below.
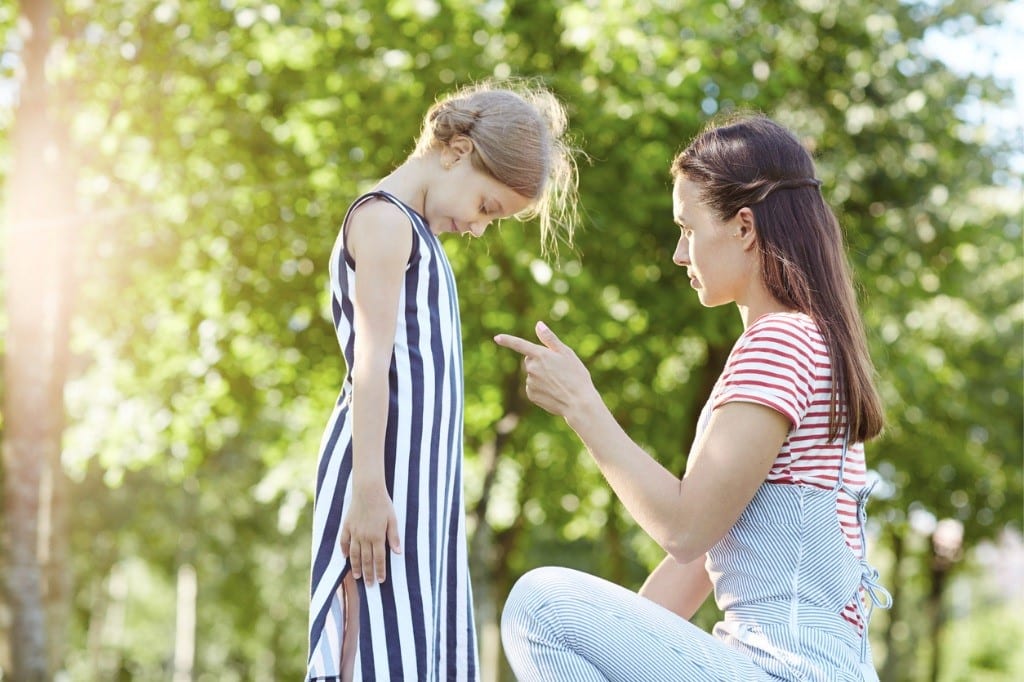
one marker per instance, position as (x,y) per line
(783,575)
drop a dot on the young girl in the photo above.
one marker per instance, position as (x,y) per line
(770,511)
(390,583)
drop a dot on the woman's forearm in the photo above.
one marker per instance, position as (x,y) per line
(648,490)
(680,588)
(685,516)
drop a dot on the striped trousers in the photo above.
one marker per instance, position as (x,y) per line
(561,624)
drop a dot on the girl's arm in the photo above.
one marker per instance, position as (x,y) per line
(685,516)
(680,588)
(380,240)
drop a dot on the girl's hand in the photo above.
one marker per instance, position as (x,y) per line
(556,379)
(370,528)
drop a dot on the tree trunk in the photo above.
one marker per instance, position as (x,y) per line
(481,549)
(185,624)
(946,552)
(936,619)
(36,346)
(895,665)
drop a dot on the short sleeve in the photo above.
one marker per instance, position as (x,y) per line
(772,364)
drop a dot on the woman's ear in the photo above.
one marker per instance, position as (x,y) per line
(746,228)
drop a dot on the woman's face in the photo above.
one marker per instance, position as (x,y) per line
(716,254)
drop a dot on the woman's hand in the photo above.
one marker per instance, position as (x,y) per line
(556,379)
(370,528)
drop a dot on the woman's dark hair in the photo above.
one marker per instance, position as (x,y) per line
(749,160)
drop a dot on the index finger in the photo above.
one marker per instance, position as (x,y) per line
(521,346)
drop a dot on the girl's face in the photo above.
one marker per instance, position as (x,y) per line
(718,256)
(464,200)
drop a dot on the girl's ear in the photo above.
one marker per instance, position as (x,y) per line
(746,228)
(461,146)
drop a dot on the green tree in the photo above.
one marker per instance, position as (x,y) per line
(217,147)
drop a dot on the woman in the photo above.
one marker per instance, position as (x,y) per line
(770,511)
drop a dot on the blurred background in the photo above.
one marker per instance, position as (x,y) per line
(175,172)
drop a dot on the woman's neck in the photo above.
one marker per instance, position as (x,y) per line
(759,303)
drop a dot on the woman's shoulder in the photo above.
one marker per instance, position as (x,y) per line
(792,329)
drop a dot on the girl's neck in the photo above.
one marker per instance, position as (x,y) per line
(408,182)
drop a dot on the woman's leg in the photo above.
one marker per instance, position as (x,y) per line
(561,624)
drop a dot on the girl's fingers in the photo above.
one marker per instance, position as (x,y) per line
(380,561)
(369,575)
(393,540)
(355,558)
(345,541)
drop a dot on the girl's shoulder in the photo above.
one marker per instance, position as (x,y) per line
(380,223)
(380,205)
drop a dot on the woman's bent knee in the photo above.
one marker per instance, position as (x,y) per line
(536,597)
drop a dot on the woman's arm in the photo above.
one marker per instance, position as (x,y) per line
(379,239)
(680,588)
(685,516)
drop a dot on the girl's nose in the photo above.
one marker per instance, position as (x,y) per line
(478,229)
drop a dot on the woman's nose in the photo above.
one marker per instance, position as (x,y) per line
(478,229)
(681,257)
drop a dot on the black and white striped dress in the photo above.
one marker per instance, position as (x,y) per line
(418,625)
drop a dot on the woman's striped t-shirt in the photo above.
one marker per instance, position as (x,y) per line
(781,361)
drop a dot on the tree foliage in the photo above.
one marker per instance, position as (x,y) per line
(218,146)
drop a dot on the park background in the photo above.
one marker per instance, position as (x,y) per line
(175,174)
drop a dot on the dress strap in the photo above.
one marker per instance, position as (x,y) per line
(412,215)
(873,596)
(840,481)
(387,196)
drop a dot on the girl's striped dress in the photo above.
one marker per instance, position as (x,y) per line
(418,625)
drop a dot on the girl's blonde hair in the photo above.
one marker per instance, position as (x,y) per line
(518,132)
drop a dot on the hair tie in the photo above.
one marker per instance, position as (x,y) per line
(798,182)
(769,187)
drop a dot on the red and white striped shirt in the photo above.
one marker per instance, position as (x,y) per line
(781,361)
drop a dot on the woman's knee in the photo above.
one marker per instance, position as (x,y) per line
(536,596)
